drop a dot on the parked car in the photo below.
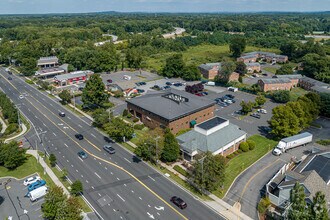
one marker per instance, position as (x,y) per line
(179,202)
(156,87)
(79,136)
(205,93)
(228,101)
(9,78)
(230,96)
(168,83)
(167,87)
(140,90)
(199,94)
(223,104)
(232,89)
(36,194)
(62,114)
(255,115)
(178,84)
(21,97)
(263,111)
(36,185)
(143,83)
(82,154)
(109,149)
(31,180)
(109,80)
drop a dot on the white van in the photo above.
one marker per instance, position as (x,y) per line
(232,89)
(127,77)
(38,193)
(210,83)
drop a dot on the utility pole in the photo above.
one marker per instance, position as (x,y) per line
(202,159)
(156,138)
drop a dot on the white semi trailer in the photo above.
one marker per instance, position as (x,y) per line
(291,142)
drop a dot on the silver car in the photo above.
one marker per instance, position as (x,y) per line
(109,149)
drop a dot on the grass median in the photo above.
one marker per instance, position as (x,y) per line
(242,161)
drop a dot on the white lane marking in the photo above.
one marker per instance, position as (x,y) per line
(127,160)
(53,146)
(99,194)
(92,187)
(118,178)
(43,99)
(77,171)
(66,145)
(67,161)
(69,118)
(132,191)
(51,104)
(79,125)
(54,134)
(149,205)
(93,135)
(111,173)
(35,116)
(140,198)
(82,176)
(29,110)
(71,165)
(100,163)
(80,159)
(114,210)
(125,184)
(152,178)
(86,181)
(44,124)
(63,156)
(105,168)
(97,175)
(158,213)
(94,158)
(115,162)
(59,152)
(121,197)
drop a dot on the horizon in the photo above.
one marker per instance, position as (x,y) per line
(36,7)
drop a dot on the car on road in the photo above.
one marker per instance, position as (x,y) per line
(109,149)
(36,185)
(255,115)
(31,180)
(21,96)
(79,136)
(179,202)
(9,78)
(82,154)
(62,114)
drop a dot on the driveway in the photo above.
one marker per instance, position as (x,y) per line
(14,204)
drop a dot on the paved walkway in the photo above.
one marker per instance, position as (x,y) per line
(48,170)
(4,126)
(24,129)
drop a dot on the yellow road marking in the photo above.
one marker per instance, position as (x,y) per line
(252,177)
(106,161)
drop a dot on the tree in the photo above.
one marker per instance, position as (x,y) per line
(150,145)
(300,113)
(325,104)
(227,68)
(53,199)
(93,95)
(174,66)
(319,210)
(28,66)
(64,174)
(119,130)
(52,160)
(65,97)
(284,122)
(246,107)
(237,46)
(100,116)
(134,58)
(191,73)
(76,188)
(11,155)
(241,68)
(260,100)
(209,172)
(298,210)
(317,67)
(171,150)
(286,69)
(281,96)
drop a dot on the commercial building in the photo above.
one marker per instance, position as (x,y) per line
(275,84)
(216,135)
(209,70)
(171,108)
(314,85)
(47,62)
(313,174)
(260,55)
(76,77)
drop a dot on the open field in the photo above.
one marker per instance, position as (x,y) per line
(239,163)
(199,54)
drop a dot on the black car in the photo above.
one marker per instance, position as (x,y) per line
(167,87)
(168,83)
(230,96)
(9,78)
(79,136)
(109,149)
(178,84)
(62,114)
(179,202)
(255,115)
(143,83)
(140,90)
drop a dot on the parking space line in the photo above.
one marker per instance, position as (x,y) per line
(97,175)
(121,197)
(93,135)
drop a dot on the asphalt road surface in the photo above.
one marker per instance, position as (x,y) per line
(118,186)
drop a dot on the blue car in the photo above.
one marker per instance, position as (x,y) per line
(36,185)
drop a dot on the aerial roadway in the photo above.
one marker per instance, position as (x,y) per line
(117,186)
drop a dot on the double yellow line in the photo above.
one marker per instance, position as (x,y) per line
(99,158)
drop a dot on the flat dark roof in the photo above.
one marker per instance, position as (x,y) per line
(211,123)
(321,165)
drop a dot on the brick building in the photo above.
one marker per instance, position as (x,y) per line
(76,77)
(175,109)
(314,85)
(216,135)
(252,67)
(209,70)
(275,84)
(267,56)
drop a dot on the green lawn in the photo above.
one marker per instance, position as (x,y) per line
(296,92)
(270,69)
(239,163)
(199,54)
(139,134)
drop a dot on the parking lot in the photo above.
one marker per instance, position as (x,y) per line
(14,205)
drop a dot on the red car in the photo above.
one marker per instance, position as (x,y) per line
(109,80)
(179,202)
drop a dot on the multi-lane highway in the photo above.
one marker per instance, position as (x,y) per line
(118,186)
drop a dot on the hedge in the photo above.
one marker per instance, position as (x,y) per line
(139,126)
(263,205)
(251,144)
(180,170)
(135,120)
(11,128)
(244,146)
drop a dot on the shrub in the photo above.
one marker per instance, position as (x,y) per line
(11,128)
(244,146)
(236,152)
(129,115)
(125,112)
(251,144)
(240,151)
(263,205)
(52,160)
(324,142)
(180,170)
(29,81)
(139,126)
(135,120)
(230,156)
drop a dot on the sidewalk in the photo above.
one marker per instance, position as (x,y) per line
(48,170)
(220,206)
(24,129)
(4,126)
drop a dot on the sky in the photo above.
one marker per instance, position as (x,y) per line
(78,6)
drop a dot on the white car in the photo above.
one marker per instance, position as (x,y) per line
(21,97)
(263,111)
(31,180)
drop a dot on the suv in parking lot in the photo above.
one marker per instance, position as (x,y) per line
(255,115)
(109,149)
(36,185)
(31,180)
